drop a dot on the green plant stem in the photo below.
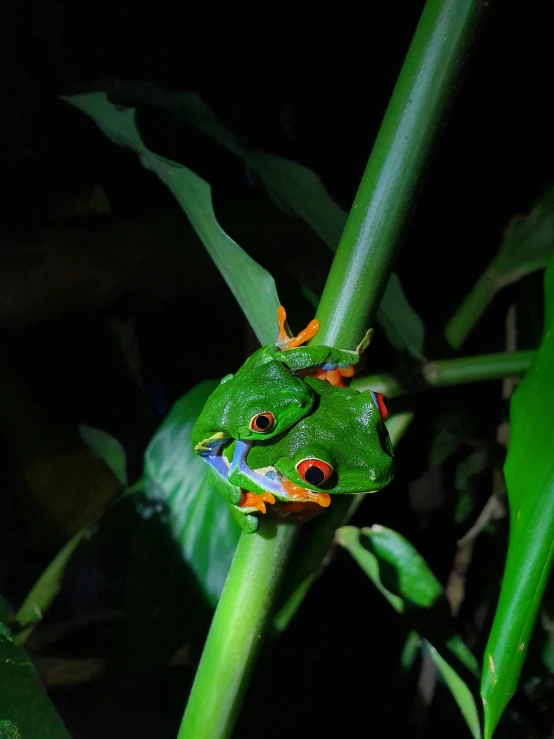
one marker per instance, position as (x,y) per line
(445,372)
(358,277)
(366,252)
(471,309)
(235,635)
(364,258)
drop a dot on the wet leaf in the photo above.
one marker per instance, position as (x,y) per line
(177,478)
(294,188)
(25,709)
(403,577)
(253,287)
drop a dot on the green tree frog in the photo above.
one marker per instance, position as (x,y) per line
(267,395)
(342,447)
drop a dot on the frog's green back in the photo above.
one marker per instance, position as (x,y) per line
(346,431)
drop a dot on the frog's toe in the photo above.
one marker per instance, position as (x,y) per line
(256,501)
(248,523)
(298,494)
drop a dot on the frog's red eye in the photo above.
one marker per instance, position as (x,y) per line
(263,422)
(380,403)
(314,471)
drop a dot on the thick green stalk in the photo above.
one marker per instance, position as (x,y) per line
(236,632)
(360,271)
(446,372)
(416,111)
(365,256)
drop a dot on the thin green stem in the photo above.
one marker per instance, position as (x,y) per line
(387,192)
(446,372)
(236,632)
(471,309)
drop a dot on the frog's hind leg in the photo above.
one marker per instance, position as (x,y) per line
(284,341)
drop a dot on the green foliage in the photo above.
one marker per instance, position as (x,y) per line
(529,472)
(527,246)
(528,242)
(406,581)
(253,287)
(177,478)
(47,587)
(294,188)
(108,449)
(25,710)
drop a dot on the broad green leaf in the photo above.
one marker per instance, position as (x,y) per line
(527,246)
(404,578)
(293,187)
(25,709)
(252,286)
(178,478)
(107,448)
(529,472)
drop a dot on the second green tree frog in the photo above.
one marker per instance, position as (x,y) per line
(342,447)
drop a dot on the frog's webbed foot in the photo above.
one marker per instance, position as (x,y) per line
(334,376)
(284,341)
(299,495)
(249,504)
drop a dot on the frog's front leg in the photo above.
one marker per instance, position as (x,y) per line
(277,485)
(241,503)
(250,479)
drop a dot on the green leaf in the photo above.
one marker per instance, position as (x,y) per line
(199,518)
(411,648)
(107,448)
(527,245)
(529,472)
(253,287)
(294,188)
(399,321)
(459,689)
(25,709)
(451,431)
(48,585)
(528,242)
(404,578)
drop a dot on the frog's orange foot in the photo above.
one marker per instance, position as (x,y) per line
(284,341)
(299,494)
(334,377)
(254,500)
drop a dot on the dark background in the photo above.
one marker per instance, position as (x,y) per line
(311,84)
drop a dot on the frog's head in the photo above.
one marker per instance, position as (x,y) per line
(267,401)
(343,447)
